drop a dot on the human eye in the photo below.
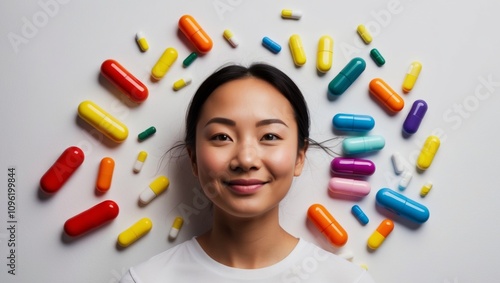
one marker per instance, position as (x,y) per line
(220,137)
(270,137)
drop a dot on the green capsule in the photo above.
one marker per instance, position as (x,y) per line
(189,59)
(147,133)
(377,57)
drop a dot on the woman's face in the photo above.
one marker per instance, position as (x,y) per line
(246,152)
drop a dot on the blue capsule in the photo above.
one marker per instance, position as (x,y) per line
(401,205)
(353,122)
(365,144)
(271,45)
(359,214)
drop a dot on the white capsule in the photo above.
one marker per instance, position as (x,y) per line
(348,255)
(405,180)
(397,162)
(176,226)
(229,36)
(140,161)
(291,14)
(159,185)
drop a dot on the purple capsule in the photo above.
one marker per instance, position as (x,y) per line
(352,166)
(414,118)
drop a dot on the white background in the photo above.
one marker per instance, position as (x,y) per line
(51,53)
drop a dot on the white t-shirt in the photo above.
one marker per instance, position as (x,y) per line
(188,262)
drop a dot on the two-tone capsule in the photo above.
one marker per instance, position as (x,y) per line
(324,55)
(405,180)
(327,224)
(291,14)
(271,45)
(428,152)
(380,234)
(364,144)
(91,218)
(402,205)
(412,76)
(64,167)
(353,122)
(164,63)
(134,232)
(176,227)
(139,162)
(122,79)
(195,34)
(297,50)
(158,186)
(386,95)
(146,133)
(181,83)
(415,117)
(347,76)
(142,41)
(102,121)
(229,36)
(348,187)
(105,174)
(359,214)
(426,188)
(352,166)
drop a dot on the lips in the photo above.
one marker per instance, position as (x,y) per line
(245,186)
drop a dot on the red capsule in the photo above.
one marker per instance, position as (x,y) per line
(91,218)
(62,169)
(124,81)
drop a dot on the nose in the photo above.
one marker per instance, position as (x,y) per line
(246,157)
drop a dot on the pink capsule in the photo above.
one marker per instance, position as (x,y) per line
(349,187)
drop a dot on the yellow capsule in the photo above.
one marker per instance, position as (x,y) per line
(102,121)
(412,76)
(166,60)
(378,237)
(140,161)
(156,187)
(181,83)
(134,232)
(364,34)
(176,226)
(324,57)
(428,152)
(297,49)
(229,36)
(142,42)
(291,14)
(426,189)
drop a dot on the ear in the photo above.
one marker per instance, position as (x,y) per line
(301,158)
(192,159)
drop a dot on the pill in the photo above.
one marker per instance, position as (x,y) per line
(181,83)
(271,45)
(405,180)
(364,34)
(364,266)
(102,121)
(146,133)
(122,79)
(426,188)
(348,187)
(415,116)
(402,205)
(163,64)
(105,174)
(383,230)
(291,14)
(428,152)
(365,144)
(91,218)
(135,232)
(159,185)
(353,122)
(141,41)
(377,57)
(352,166)
(386,95)
(196,35)
(327,225)
(176,227)
(229,36)
(139,162)
(412,76)
(324,56)
(347,76)
(397,163)
(297,50)
(64,167)
(189,59)
(359,214)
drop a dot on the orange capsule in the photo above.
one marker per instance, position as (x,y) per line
(193,31)
(327,225)
(386,95)
(378,237)
(105,174)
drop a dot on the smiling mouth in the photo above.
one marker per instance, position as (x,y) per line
(245,187)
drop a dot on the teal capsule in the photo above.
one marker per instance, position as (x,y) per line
(364,144)
(377,57)
(347,76)
(147,133)
(189,59)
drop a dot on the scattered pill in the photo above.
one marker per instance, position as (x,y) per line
(347,76)
(364,34)
(146,133)
(129,85)
(377,57)
(327,225)
(140,161)
(359,214)
(297,50)
(426,188)
(401,205)
(352,166)
(348,187)
(91,218)
(176,227)
(189,59)
(347,255)
(383,230)
(364,144)
(271,45)
(353,122)
(166,60)
(141,41)
(66,164)
(181,83)
(105,174)
(229,36)
(364,266)
(415,116)
(428,152)
(135,232)
(386,95)
(324,56)
(291,14)
(397,163)
(102,121)
(405,180)
(412,76)
(196,35)
(159,185)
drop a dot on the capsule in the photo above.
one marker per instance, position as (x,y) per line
(352,166)
(57,175)
(291,14)
(324,56)
(377,57)
(426,188)
(365,144)
(155,188)
(348,187)
(105,174)
(179,84)
(364,34)
(401,205)
(129,85)
(353,122)
(166,60)
(383,230)
(386,95)
(146,133)
(327,225)
(102,121)
(405,180)
(347,76)
(397,163)
(229,36)
(189,59)
(297,50)
(196,35)
(412,76)
(359,214)
(140,161)
(141,41)
(415,116)
(428,152)
(271,45)
(135,232)
(176,227)
(91,218)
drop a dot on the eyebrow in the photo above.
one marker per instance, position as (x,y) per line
(229,122)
